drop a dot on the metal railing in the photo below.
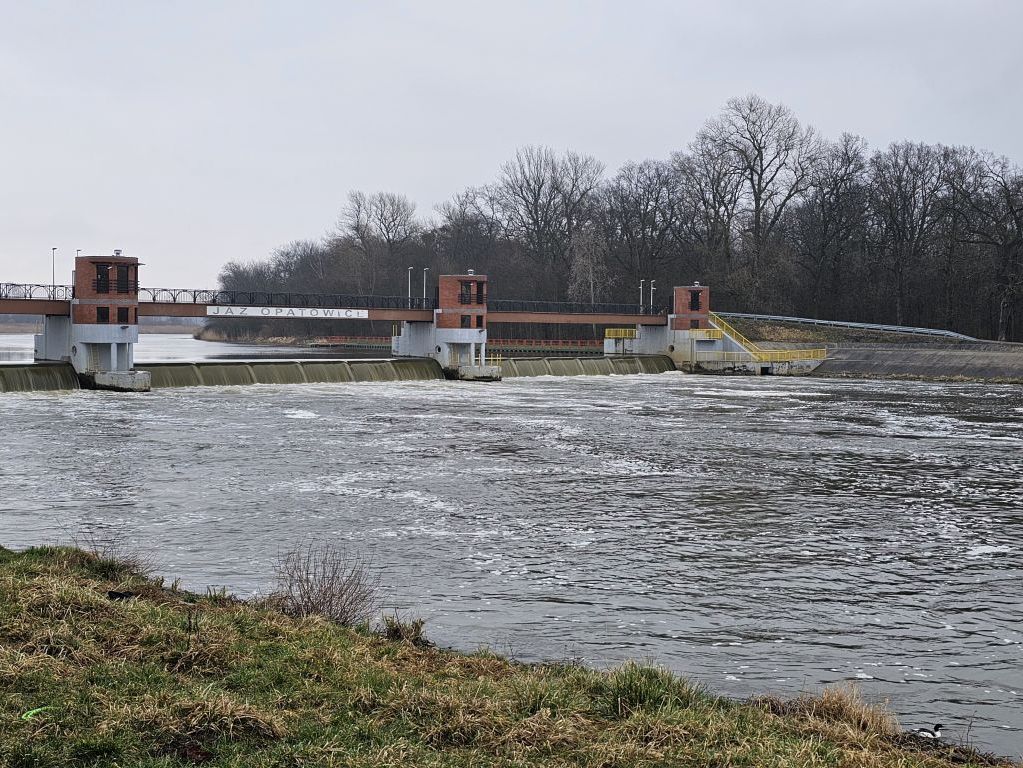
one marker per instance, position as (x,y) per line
(545,343)
(115,286)
(763,356)
(573,308)
(756,354)
(278,299)
(36,291)
(850,324)
(706,333)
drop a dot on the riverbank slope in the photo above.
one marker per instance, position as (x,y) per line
(865,353)
(101,666)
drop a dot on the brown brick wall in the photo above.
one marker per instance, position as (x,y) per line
(451,306)
(686,317)
(85,290)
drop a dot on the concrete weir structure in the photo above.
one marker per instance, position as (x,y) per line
(456,336)
(98,335)
(92,326)
(697,340)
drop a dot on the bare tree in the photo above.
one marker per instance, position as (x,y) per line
(764,145)
(541,198)
(905,192)
(588,279)
(828,226)
(379,229)
(638,210)
(987,198)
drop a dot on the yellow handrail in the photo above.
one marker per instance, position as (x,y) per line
(763,355)
(619,333)
(706,333)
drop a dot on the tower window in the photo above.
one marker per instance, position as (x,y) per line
(102,278)
(122,315)
(102,314)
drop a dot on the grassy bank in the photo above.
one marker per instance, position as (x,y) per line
(803,333)
(101,666)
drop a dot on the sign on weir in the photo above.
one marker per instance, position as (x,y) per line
(305,313)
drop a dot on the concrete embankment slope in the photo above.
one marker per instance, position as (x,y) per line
(987,361)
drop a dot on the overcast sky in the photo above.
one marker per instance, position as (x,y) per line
(193,133)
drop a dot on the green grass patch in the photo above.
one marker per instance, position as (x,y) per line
(102,666)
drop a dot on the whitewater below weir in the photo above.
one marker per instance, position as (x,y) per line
(760,535)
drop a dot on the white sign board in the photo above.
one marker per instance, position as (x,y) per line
(304,313)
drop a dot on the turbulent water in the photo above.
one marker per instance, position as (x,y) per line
(758,534)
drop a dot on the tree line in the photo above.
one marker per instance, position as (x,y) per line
(774,217)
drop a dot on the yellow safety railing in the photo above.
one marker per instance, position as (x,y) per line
(494,359)
(619,333)
(706,333)
(755,353)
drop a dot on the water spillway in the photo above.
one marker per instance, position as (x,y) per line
(38,377)
(61,376)
(206,374)
(585,366)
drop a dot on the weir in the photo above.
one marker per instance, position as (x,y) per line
(698,340)
(239,373)
(585,366)
(95,328)
(41,377)
(38,377)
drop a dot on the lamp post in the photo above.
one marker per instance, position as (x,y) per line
(641,282)
(425,270)
(652,296)
(53,266)
(410,287)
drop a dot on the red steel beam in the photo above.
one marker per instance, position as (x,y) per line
(34,307)
(557,318)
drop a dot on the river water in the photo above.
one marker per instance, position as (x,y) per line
(757,534)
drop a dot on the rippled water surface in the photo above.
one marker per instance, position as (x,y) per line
(758,534)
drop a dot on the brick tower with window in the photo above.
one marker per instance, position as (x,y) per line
(104,322)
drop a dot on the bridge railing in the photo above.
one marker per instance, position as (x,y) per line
(572,308)
(36,291)
(279,299)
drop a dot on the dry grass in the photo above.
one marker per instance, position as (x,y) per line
(169,679)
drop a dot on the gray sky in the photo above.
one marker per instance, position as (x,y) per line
(193,133)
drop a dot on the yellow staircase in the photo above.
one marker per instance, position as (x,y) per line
(756,354)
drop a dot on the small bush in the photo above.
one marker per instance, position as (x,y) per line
(326,580)
(410,632)
(113,557)
(839,704)
(633,687)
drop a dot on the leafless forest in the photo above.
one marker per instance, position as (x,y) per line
(774,217)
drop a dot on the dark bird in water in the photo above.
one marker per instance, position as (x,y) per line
(930,733)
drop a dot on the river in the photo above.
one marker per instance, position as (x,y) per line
(761,535)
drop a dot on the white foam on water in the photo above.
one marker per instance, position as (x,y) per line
(297,413)
(986,549)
